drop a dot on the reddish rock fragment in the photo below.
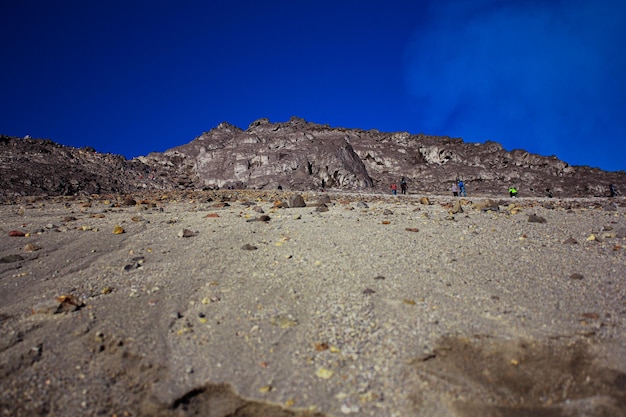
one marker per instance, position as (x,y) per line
(17,233)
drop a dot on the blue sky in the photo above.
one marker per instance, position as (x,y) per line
(132,77)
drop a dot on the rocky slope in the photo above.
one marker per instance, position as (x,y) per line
(298,155)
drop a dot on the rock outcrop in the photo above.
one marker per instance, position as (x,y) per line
(298,155)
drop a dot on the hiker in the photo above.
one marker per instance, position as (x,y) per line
(513,192)
(394,188)
(455,189)
(549,193)
(462,192)
(613,190)
(403,185)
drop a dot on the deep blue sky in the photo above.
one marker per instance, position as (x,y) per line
(131,77)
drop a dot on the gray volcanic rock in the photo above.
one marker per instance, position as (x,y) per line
(301,155)
(298,155)
(42,167)
(294,155)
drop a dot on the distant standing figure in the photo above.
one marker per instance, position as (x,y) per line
(549,193)
(455,190)
(513,192)
(613,190)
(394,188)
(462,192)
(403,185)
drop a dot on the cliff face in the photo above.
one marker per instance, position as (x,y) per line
(298,155)
(301,155)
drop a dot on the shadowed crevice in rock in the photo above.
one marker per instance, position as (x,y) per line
(486,377)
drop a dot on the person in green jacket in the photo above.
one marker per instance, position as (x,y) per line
(513,192)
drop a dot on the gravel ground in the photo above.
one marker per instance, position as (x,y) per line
(369,305)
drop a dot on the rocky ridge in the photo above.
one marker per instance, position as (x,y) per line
(299,155)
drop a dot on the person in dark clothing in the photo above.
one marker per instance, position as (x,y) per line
(403,185)
(613,190)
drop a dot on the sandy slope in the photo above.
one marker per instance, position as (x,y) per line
(478,313)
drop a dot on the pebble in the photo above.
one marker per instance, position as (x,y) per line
(576,276)
(61,304)
(456,208)
(186,233)
(264,218)
(118,230)
(348,408)
(248,246)
(17,233)
(31,247)
(533,218)
(296,201)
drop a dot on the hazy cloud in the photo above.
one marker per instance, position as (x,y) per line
(546,73)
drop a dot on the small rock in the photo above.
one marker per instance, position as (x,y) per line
(186,233)
(412,229)
(129,201)
(425,201)
(486,205)
(17,233)
(362,204)
(264,218)
(324,373)
(248,246)
(576,276)
(118,230)
(387,212)
(379,277)
(31,247)
(259,209)
(456,208)
(570,241)
(348,408)
(212,215)
(296,201)
(368,291)
(324,199)
(533,218)
(62,304)
(322,208)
